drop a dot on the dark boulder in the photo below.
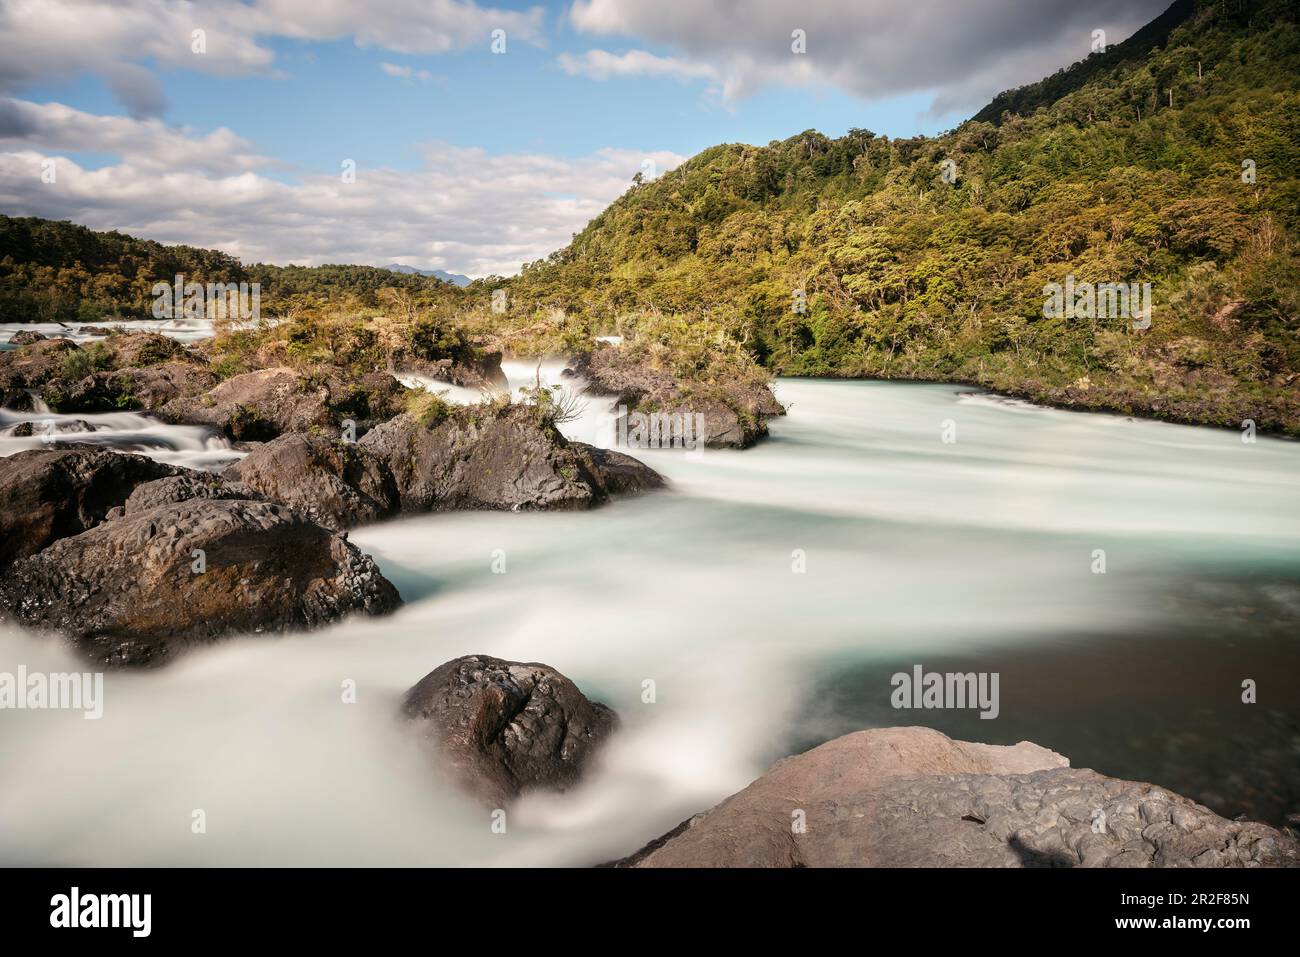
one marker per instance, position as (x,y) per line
(338,484)
(25,337)
(613,473)
(494,456)
(504,727)
(129,593)
(49,494)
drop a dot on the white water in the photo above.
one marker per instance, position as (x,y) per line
(182,330)
(190,446)
(913,548)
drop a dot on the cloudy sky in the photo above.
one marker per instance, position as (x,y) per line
(481,135)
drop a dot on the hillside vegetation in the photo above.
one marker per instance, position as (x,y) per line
(907,275)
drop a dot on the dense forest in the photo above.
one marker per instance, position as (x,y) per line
(1169,159)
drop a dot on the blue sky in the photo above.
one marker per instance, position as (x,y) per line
(468,160)
(335,98)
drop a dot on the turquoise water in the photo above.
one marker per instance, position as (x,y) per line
(977,554)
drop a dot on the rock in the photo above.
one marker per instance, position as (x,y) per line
(475,371)
(131,350)
(18,400)
(505,728)
(49,494)
(735,411)
(614,473)
(150,387)
(337,484)
(496,457)
(912,797)
(126,593)
(183,488)
(31,366)
(25,337)
(256,405)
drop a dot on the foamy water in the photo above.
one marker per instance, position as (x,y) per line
(915,550)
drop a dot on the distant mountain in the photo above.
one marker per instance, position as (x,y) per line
(454,278)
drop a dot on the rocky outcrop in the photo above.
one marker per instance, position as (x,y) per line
(256,405)
(150,387)
(912,797)
(735,410)
(133,350)
(48,494)
(338,484)
(139,589)
(497,457)
(261,405)
(127,370)
(25,337)
(503,728)
(30,368)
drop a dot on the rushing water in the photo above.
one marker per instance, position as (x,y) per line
(972,555)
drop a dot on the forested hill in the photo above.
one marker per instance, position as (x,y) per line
(53,271)
(1132,50)
(1176,167)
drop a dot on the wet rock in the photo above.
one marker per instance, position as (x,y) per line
(49,494)
(911,797)
(497,457)
(338,484)
(614,473)
(25,337)
(504,727)
(128,592)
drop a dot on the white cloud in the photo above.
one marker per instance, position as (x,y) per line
(148,144)
(464,209)
(964,53)
(56,40)
(406,72)
(601,65)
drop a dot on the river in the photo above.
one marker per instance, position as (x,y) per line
(768,597)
